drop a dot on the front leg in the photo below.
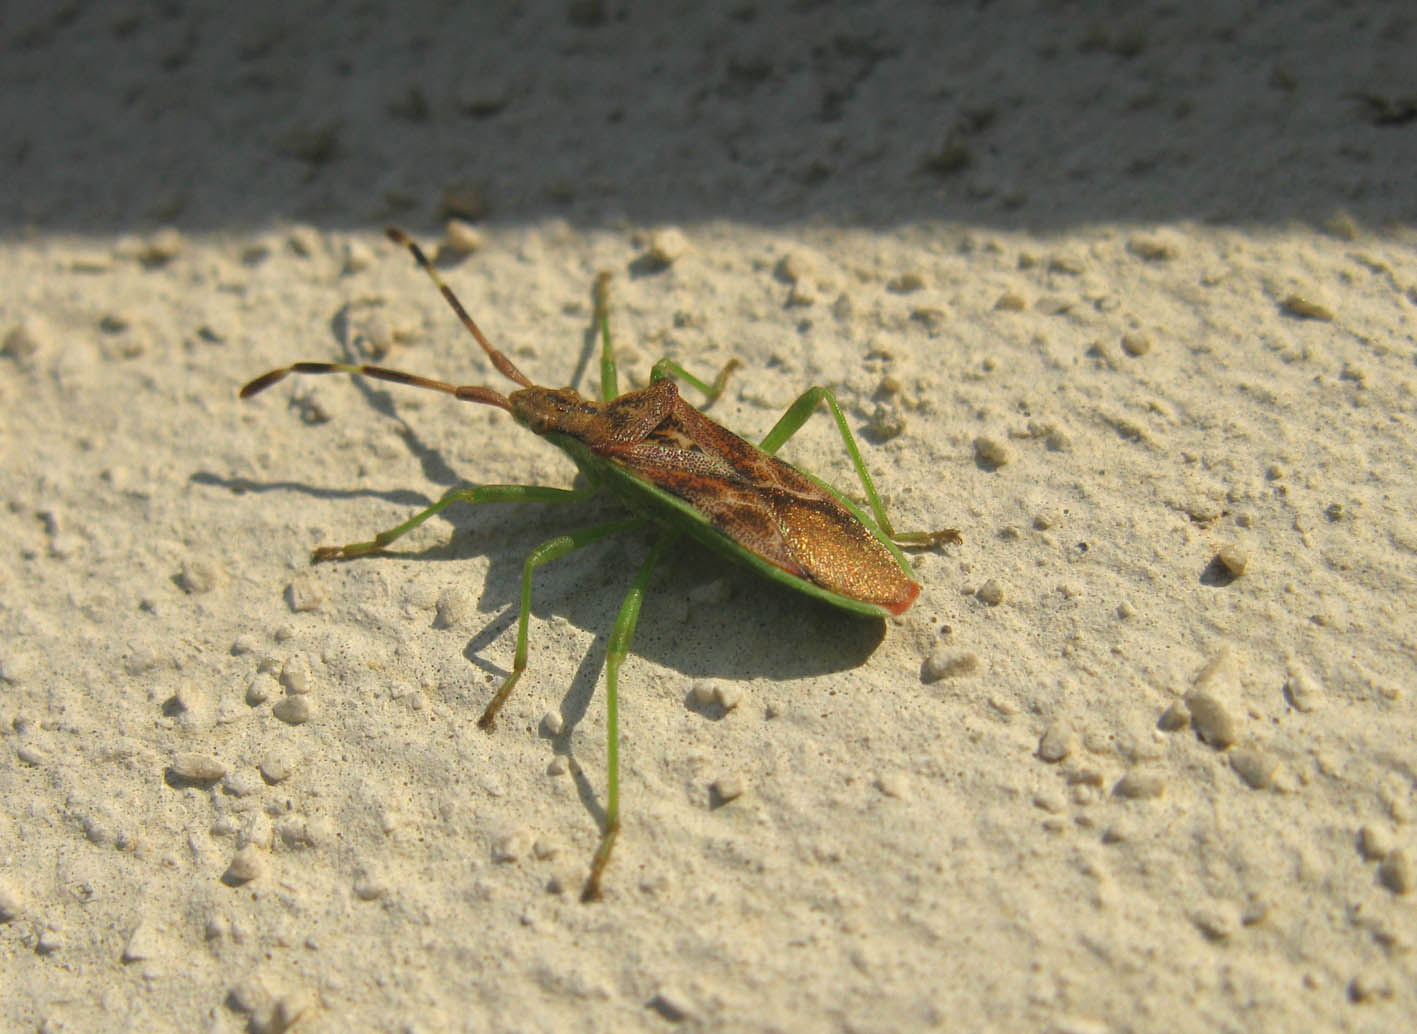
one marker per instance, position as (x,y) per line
(473,495)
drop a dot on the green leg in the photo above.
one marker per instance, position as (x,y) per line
(475,494)
(609,383)
(609,378)
(791,422)
(551,549)
(620,638)
(669,368)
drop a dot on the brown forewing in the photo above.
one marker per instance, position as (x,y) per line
(766,506)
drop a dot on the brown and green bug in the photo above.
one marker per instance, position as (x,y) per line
(678,470)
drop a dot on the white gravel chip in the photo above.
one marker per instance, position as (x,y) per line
(1375,842)
(1212,702)
(294,710)
(245,866)
(1397,872)
(27,338)
(1256,767)
(992,452)
(667,244)
(946,663)
(143,943)
(305,594)
(1141,784)
(1057,742)
(197,768)
(513,846)
(1305,692)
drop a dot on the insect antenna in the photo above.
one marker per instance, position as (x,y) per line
(503,364)
(462,392)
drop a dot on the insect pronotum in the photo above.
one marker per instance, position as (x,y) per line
(678,471)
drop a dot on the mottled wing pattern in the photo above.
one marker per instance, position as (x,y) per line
(766,506)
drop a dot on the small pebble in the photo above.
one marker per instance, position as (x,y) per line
(1174,718)
(894,784)
(794,267)
(161,247)
(454,608)
(1211,702)
(369,887)
(905,283)
(1154,248)
(12,902)
(277,765)
(295,674)
(305,594)
(714,593)
(241,783)
(671,1004)
(355,257)
(1375,842)
(553,722)
(991,593)
(727,695)
(27,338)
(1306,308)
(1397,872)
(1136,344)
(725,789)
(461,237)
(1369,987)
(284,1013)
(245,866)
(260,689)
(991,452)
(199,576)
(933,318)
(466,200)
(513,846)
(667,244)
(1218,922)
(1141,784)
(197,768)
(886,422)
(946,663)
(294,710)
(49,941)
(1304,691)
(1050,800)
(1256,767)
(1057,742)
(1234,558)
(143,943)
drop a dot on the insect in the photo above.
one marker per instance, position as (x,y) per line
(678,472)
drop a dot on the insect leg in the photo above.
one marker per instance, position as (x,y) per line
(609,378)
(475,494)
(551,549)
(620,638)
(791,422)
(667,367)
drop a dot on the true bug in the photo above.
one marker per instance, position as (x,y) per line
(677,469)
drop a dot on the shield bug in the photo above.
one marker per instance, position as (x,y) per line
(679,472)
